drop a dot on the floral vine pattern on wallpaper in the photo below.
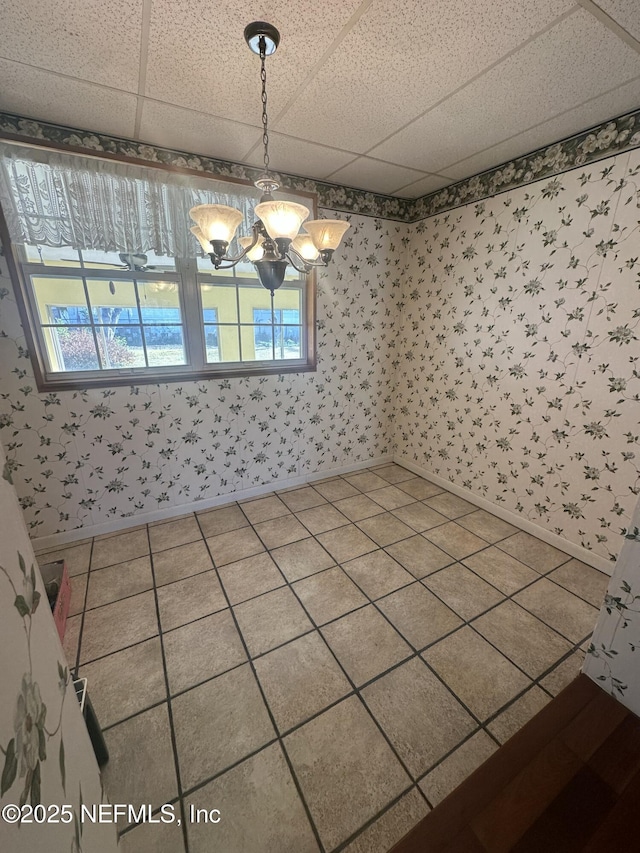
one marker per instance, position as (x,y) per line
(518,358)
(83,457)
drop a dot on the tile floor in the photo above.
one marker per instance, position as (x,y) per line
(323,664)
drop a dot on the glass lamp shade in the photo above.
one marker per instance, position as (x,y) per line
(256,253)
(303,244)
(197,233)
(326,233)
(282,218)
(216,221)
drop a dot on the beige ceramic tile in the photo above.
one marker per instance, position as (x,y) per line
(501,570)
(488,527)
(264,509)
(335,490)
(455,540)
(358,507)
(455,768)
(301,559)
(391,497)
(450,505)
(346,543)
(419,616)
(419,517)
(377,573)
(72,639)
(569,615)
(178,563)
(392,826)
(328,595)
(234,545)
(582,580)
(216,521)
(366,481)
(270,620)
(463,591)
(420,489)
(345,769)
(250,577)
(518,714)
(120,581)
(76,556)
(153,838)
(564,673)
(301,499)
(476,672)
(418,714)
(202,649)
(260,808)
(394,473)
(533,552)
(281,531)
(419,556)
(365,644)
(78,592)
(322,518)
(113,627)
(385,529)
(227,715)
(189,599)
(300,679)
(119,548)
(174,533)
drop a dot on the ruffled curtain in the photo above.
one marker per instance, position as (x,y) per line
(56,199)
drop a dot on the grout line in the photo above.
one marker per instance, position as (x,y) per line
(76,665)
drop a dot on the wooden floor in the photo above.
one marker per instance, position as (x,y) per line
(568,781)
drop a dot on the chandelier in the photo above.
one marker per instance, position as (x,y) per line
(276,238)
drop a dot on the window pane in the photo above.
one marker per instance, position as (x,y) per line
(57,298)
(165,345)
(146,262)
(159,296)
(263,343)
(288,341)
(264,315)
(222,299)
(212,340)
(289,299)
(120,346)
(71,349)
(113,301)
(52,257)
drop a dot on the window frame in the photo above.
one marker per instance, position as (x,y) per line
(193,325)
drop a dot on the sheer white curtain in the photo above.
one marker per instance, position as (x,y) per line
(56,199)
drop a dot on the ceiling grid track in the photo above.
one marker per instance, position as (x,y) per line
(144,54)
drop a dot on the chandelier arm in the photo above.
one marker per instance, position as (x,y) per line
(307,265)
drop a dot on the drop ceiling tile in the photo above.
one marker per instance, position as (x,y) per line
(598,110)
(49,97)
(391,67)
(198,133)
(624,12)
(373,175)
(551,74)
(82,38)
(198,57)
(298,157)
(425,185)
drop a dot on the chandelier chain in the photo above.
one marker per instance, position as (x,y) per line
(265,118)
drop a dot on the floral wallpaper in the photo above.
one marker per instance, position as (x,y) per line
(518,351)
(612,656)
(82,458)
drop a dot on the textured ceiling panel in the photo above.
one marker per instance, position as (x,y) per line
(549,75)
(624,12)
(403,57)
(82,38)
(299,157)
(374,175)
(425,185)
(39,94)
(198,57)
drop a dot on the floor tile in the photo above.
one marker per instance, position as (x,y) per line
(153,838)
(486,526)
(394,473)
(346,543)
(189,599)
(72,639)
(216,521)
(391,497)
(76,557)
(345,769)
(301,559)
(301,499)
(420,489)
(518,714)
(385,529)
(119,581)
(569,615)
(112,627)
(260,808)
(419,616)
(463,591)
(564,673)
(335,490)
(450,505)
(525,640)
(234,545)
(300,679)
(270,620)
(78,592)
(455,540)
(419,556)
(141,768)
(533,552)
(181,562)
(359,507)
(119,548)
(421,718)
(281,531)
(582,580)
(174,533)
(365,644)
(202,649)
(420,517)
(328,595)
(366,481)
(476,672)
(322,518)
(455,768)
(264,509)
(392,826)
(126,682)
(377,573)
(250,577)
(218,723)
(504,572)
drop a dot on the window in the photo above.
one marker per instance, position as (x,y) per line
(97,318)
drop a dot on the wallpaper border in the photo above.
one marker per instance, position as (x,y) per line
(611,137)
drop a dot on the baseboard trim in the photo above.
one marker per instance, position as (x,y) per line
(57,540)
(577,551)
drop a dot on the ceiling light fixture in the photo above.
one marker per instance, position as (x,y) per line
(276,239)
